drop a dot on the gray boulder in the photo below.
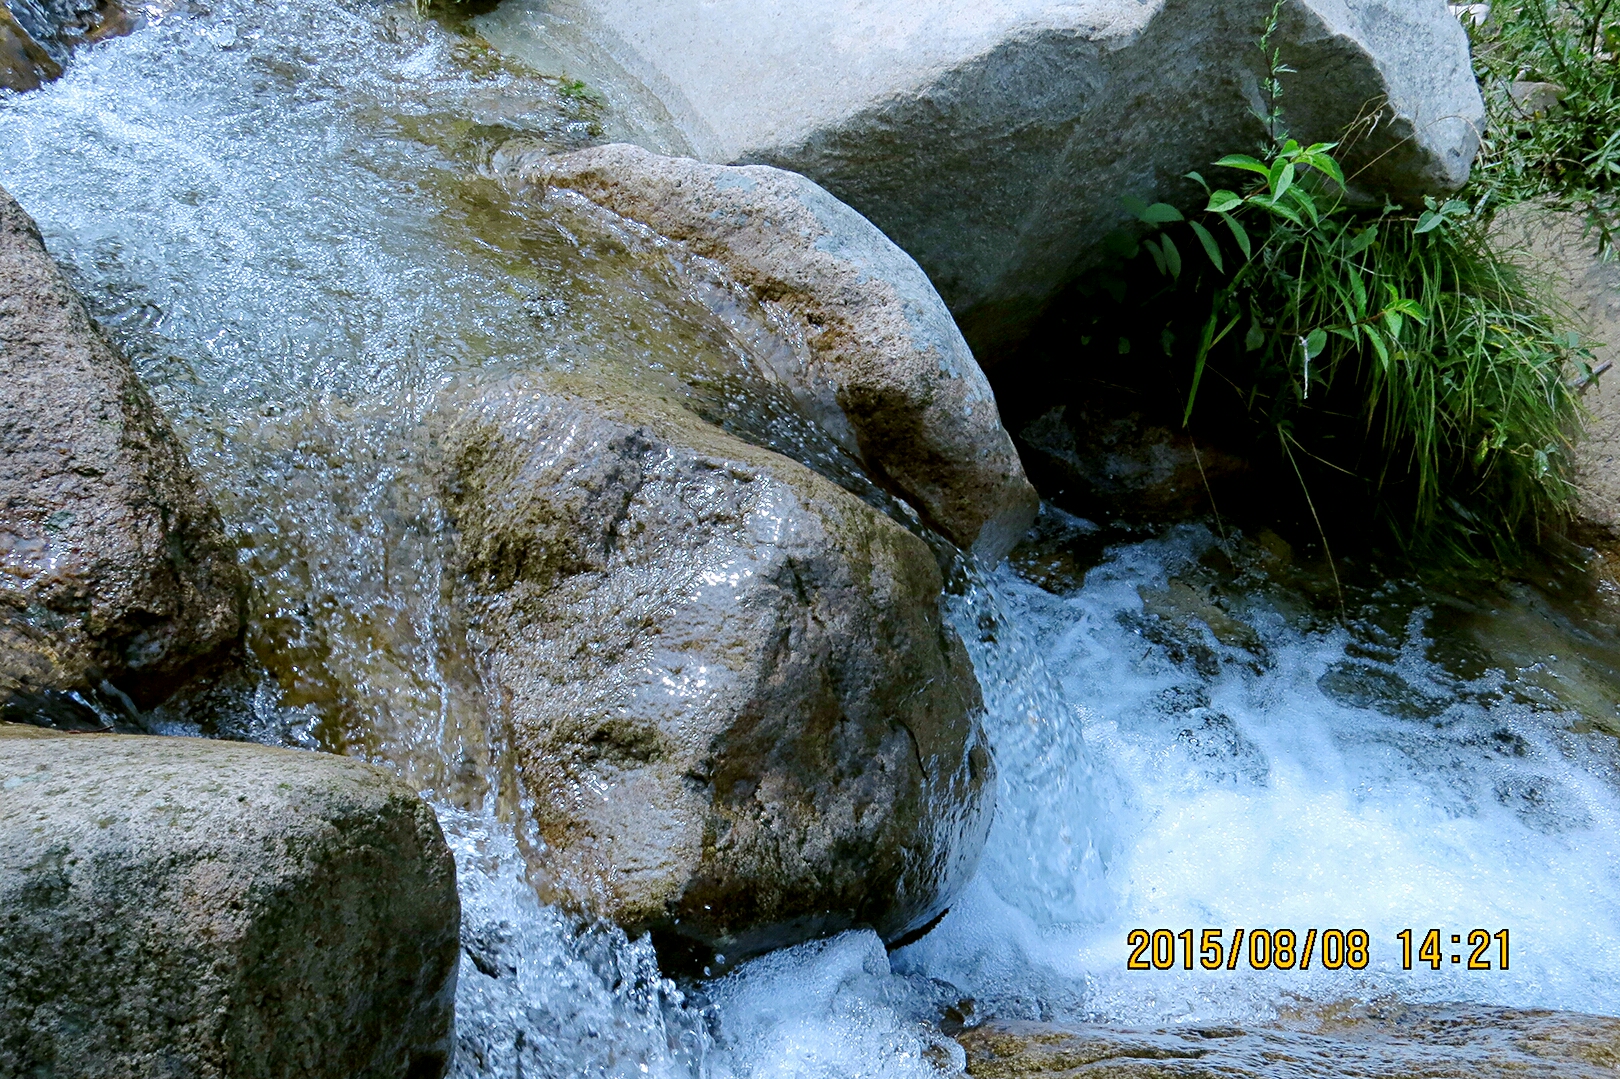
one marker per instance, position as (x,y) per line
(114,572)
(883,365)
(189,908)
(729,693)
(993,140)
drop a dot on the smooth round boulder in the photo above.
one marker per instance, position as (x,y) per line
(733,704)
(882,365)
(191,908)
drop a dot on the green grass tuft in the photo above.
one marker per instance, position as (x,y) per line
(1392,353)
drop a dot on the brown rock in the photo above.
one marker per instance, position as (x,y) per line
(182,907)
(882,358)
(1378,1041)
(113,567)
(24,64)
(729,691)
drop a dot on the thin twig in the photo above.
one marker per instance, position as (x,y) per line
(1320,531)
(1211,492)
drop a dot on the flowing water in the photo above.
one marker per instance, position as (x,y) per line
(283,212)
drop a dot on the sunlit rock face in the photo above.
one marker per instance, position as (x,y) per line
(993,141)
(115,577)
(730,694)
(882,364)
(178,906)
(1377,1041)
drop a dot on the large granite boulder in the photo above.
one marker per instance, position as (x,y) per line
(883,364)
(181,907)
(115,577)
(993,139)
(726,683)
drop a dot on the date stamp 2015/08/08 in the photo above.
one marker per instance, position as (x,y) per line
(1285,949)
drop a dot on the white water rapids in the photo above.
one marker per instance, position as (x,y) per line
(277,209)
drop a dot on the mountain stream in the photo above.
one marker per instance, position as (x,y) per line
(283,212)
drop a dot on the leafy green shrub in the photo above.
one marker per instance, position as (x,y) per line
(1551,79)
(1387,350)
(1317,310)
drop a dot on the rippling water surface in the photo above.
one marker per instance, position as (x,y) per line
(281,210)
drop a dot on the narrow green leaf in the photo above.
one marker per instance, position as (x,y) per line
(1211,248)
(1172,256)
(1329,168)
(1199,179)
(1303,200)
(1223,201)
(1286,212)
(1428,222)
(1364,239)
(1395,322)
(1376,339)
(1204,344)
(1280,178)
(1243,161)
(1152,247)
(1161,213)
(1255,337)
(1240,234)
(1359,292)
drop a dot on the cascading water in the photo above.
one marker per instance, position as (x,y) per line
(278,209)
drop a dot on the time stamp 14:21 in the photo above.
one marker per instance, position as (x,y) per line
(1331,949)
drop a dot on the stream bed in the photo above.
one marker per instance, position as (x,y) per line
(283,213)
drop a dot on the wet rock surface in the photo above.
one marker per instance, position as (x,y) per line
(1388,1041)
(1112,464)
(729,691)
(882,362)
(24,63)
(61,26)
(175,906)
(116,582)
(992,141)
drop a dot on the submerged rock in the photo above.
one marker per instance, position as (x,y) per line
(729,691)
(1121,465)
(884,363)
(173,906)
(993,141)
(1376,1041)
(115,576)
(61,26)
(24,63)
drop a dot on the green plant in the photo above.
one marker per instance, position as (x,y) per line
(1551,79)
(1394,348)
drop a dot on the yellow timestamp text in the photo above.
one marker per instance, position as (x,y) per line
(1287,949)
(1259,949)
